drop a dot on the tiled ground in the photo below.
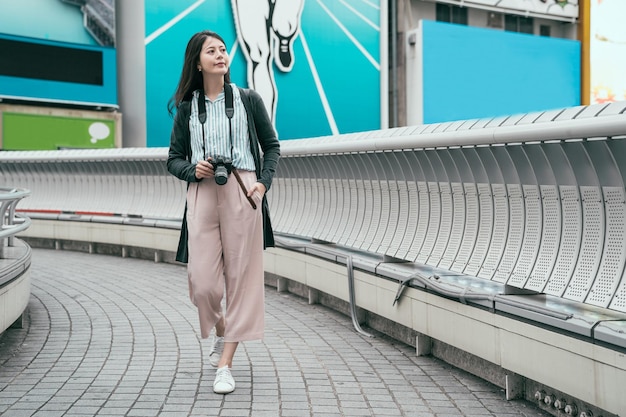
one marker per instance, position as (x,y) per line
(111,336)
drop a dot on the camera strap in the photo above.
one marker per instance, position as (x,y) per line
(230,111)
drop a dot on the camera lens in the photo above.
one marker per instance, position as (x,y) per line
(221,175)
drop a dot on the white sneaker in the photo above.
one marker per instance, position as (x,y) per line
(224,382)
(216,351)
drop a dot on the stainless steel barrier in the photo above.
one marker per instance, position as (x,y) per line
(532,201)
(12,223)
(112,182)
(15,258)
(523,216)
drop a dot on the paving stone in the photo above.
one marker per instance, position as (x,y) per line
(109,336)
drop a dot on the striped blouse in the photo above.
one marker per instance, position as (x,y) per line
(216,132)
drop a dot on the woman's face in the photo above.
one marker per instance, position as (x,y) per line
(214,59)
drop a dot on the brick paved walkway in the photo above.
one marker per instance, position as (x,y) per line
(111,336)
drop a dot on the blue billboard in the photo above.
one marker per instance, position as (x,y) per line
(59,52)
(471,72)
(315,63)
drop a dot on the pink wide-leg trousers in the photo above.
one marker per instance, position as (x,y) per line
(226,255)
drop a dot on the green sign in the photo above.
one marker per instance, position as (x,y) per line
(45,132)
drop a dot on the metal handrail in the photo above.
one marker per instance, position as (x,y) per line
(350,271)
(9,197)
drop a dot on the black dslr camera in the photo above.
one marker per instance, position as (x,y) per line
(222,167)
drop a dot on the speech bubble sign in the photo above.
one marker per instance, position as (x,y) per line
(98,131)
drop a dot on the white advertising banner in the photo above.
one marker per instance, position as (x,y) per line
(557,9)
(607,51)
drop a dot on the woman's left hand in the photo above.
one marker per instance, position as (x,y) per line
(257,186)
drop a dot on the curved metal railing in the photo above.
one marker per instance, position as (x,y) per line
(532,201)
(14,257)
(481,211)
(12,222)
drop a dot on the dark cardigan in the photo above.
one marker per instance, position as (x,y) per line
(261,134)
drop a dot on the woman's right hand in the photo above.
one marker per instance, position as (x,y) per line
(204,170)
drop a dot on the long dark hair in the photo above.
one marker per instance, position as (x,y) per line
(190,77)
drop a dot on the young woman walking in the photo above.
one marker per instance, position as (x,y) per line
(220,133)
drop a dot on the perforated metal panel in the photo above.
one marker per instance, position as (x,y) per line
(470,232)
(310,188)
(571,234)
(36,183)
(340,224)
(619,301)
(328,206)
(333,208)
(391,206)
(352,213)
(288,222)
(171,209)
(433,222)
(276,201)
(276,205)
(177,201)
(422,224)
(457,228)
(368,213)
(302,221)
(73,202)
(318,209)
(592,243)
(614,251)
(515,234)
(116,188)
(380,195)
(137,204)
(550,238)
(343,207)
(301,211)
(279,216)
(445,226)
(532,237)
(287,216)
(412,222)
(499,232)
(359,214)
(141,201)
(372,201)
(485,227)
(402,223)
